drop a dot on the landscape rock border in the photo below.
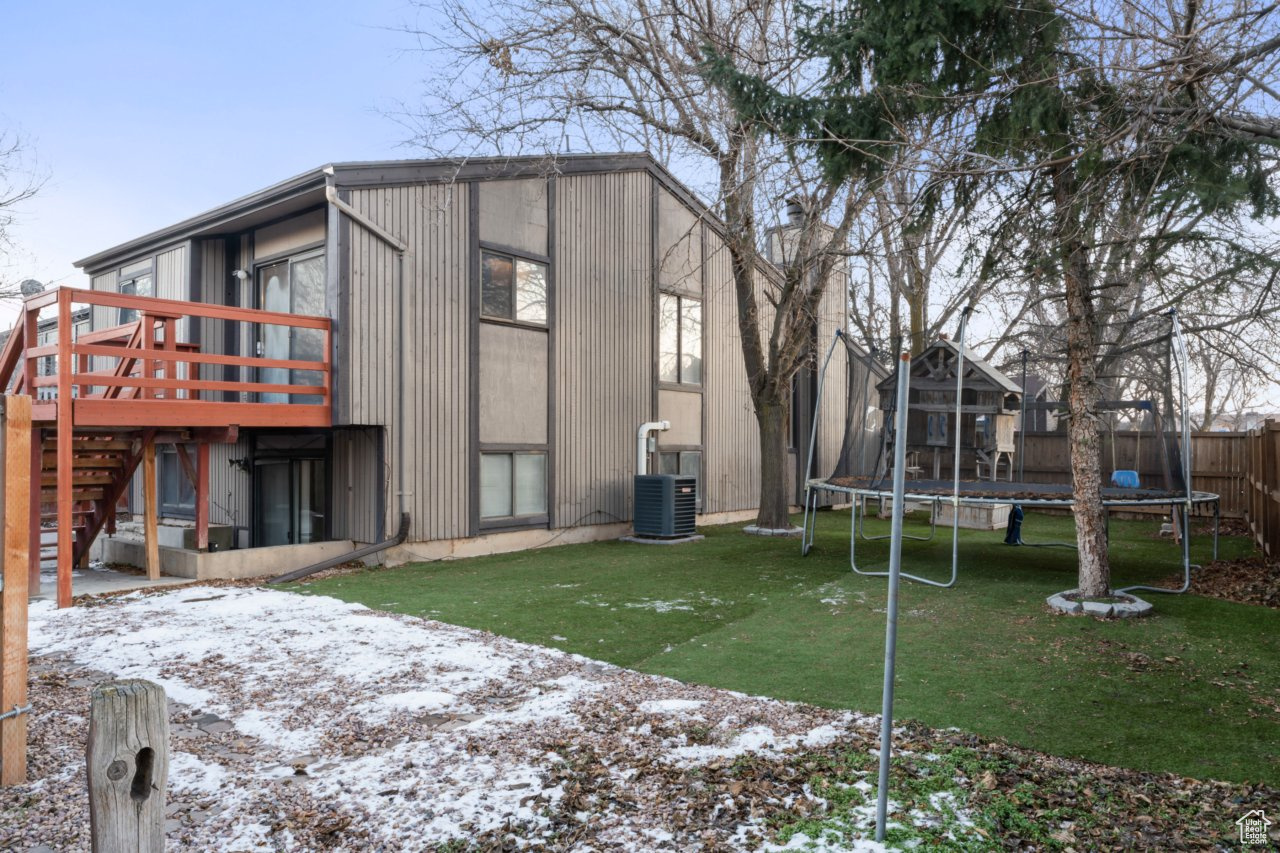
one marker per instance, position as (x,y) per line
(1130,607)
(756,530)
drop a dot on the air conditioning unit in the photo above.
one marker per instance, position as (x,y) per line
(666,506)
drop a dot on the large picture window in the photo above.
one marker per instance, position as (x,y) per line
(513,288)
(513,485)
(291,286)
(679,339)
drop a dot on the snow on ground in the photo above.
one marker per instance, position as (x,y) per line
(304,721)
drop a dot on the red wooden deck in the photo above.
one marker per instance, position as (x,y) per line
(92,427)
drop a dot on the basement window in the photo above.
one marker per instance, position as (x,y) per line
(513,288)
(177,495)
(679,339)
(513,485)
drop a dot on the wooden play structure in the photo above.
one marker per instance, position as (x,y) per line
(106,397)
(988,414)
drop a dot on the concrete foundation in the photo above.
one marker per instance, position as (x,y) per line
(226,565)
(524,540)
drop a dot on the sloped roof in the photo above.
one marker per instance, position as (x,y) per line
(307,191)
(971,362)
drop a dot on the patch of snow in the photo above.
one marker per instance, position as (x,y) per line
(189,773)
(659,606)
(669,706)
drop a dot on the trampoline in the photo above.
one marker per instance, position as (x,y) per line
(860,487)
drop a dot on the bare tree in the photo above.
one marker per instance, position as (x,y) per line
(18,183)
(530,77)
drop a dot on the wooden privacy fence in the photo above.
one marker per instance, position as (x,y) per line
(1220,463)
(1262,504)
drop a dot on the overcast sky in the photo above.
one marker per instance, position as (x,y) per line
(141,114)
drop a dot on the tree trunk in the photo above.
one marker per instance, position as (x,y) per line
(1082,396)
(919,303)
(775,504)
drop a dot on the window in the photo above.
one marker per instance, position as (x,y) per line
(683,463)
(937,429)
(292,286)
(513,485)
(513,289)
(679,339)
(177,495)
(134,280)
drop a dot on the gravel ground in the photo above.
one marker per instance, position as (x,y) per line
(305,723)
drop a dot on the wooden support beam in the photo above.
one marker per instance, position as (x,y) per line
(17,505)
(33,530)
(202,496)
(65,498)
(150,508)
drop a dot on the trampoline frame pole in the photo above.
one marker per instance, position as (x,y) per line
(809,523)
(891,617)
(955,469)
(1180,511)
(1022,421)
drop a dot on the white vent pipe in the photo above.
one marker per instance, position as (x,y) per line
(642,444)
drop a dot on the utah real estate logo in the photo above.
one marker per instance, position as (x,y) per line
(1253,827)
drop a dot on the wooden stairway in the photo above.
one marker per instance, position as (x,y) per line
(102,464)
(103,398)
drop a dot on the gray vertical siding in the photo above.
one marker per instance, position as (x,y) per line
(433,221)
(229,486)
(212,288)
(356,479)
(732,440)
(102,317)
(603,357)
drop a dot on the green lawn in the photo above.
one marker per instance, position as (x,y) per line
(1194,689)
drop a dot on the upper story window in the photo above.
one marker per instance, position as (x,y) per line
(513,288)
(293,285)
(135,280)
(679,339)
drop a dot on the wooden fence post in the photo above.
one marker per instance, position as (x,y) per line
(128,757)
(15,471)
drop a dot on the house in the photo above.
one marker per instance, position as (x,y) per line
(470,343)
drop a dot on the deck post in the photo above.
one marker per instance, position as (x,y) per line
(149,509)
(202,496)
(33,527)
(29,338)
(15,506)
(66,473)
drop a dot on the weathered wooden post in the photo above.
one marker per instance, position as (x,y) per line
(15,515)
(128,757)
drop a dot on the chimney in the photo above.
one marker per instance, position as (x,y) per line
(795,210)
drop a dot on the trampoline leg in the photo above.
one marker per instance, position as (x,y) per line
(1217,525)
(853,544)
(810,524)
(1178,513)
(933,524)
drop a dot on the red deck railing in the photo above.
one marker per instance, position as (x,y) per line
(146,376)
